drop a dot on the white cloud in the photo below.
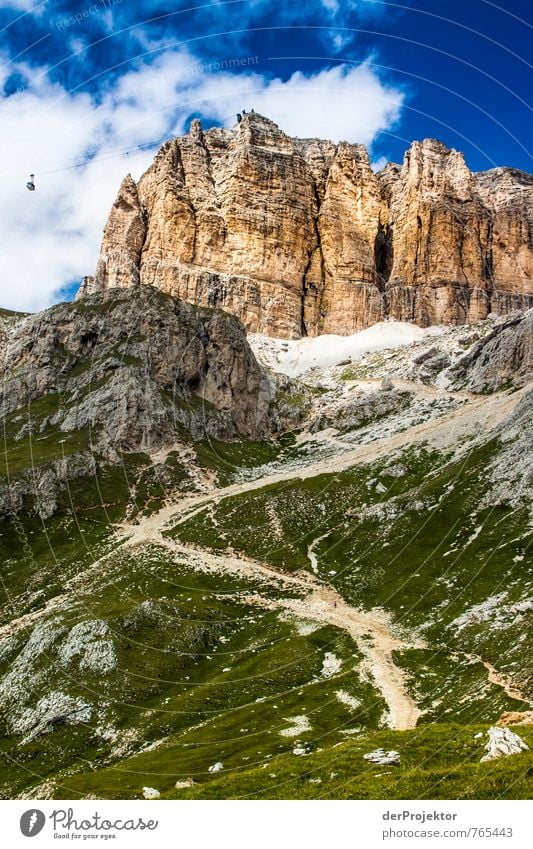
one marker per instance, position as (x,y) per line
(25,5)
(341,103)
(379,163)
(51,237)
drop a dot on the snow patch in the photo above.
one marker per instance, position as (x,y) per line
(294,357)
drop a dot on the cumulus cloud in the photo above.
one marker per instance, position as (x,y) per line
(75,146)
(379,163)
(341,103)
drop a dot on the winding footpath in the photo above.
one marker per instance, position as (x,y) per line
(371,630)
(310,599)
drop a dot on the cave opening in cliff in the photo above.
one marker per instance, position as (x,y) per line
(383,254)
(88,340)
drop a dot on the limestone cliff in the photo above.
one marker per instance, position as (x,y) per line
(85,384)
(300,237)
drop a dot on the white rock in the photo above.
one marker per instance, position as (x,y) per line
(151,793)
(395,471)
(218,767)
(331,664)
(54,709)
(503,742)
(383,758)
(99,657)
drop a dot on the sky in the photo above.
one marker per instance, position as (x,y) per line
(91,89)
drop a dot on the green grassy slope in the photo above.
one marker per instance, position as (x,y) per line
(164,670)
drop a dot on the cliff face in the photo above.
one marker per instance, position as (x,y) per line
(134,366)
(300,237)
(125,372)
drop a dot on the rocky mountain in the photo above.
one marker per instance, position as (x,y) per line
(219,580)
(125,371)
(230,561)
(300,237)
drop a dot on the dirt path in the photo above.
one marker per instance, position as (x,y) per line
(313,559)
(501,680)
(370,630)
(480,415)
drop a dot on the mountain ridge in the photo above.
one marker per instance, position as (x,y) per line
(300,237)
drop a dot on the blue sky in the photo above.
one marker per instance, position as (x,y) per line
(83,82)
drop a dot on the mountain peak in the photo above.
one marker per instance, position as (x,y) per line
(299,236)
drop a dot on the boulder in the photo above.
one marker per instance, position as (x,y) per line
(515,717)
(502,743)
(383,758)
(151,793)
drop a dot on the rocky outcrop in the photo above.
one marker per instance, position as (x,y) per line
(514,717)
(125,371)
(126,364)
(383,758)
(300,237)
(502,743)
(502,359)
(363,409)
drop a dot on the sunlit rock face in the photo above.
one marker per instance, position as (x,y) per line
(300,237)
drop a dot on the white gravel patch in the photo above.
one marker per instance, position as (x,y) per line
(345,699)
(300,724)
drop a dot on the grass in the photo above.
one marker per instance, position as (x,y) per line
(34,451)
(277,523)
(203,676)
(232,460)
(437,762)
(423,550)
(195,666)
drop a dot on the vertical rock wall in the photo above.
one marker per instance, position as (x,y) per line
(300,237)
